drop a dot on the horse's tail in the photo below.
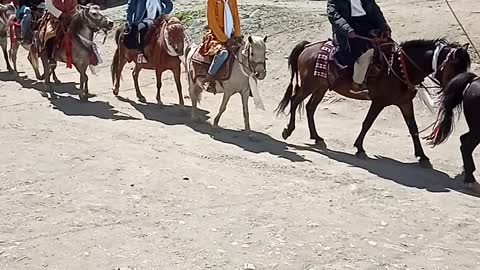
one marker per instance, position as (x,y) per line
(293,66)
(116,56)
(452,98)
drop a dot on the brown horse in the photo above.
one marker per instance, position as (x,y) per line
(165,45)
(387,88)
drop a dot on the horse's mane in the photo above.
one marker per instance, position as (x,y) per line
(76,23)
(424,44)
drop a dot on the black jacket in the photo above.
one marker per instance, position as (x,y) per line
(339,15)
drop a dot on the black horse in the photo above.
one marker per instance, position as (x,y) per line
(463,88)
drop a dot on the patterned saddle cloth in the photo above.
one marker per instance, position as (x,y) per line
(200,64)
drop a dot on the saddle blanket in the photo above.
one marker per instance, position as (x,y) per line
(324,56)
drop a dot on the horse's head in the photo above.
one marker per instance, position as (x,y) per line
(174,35)
(7,12)
(254,51)
(95,19)
(456,61)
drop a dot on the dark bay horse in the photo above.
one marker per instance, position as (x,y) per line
(166,44)
(388,88)
(464,88)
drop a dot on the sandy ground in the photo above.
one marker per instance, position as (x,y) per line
(119,184)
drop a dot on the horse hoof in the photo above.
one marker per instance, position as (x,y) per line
(142,99)
(320,143)
(53,97)
(285,134)
(43,94)
(361,155)
(115,91)
(475,187)
(425,163)
(83,98)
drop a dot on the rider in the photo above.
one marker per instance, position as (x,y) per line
(350,20)
(60,11)
(142,14)
(223,31)
(24,14)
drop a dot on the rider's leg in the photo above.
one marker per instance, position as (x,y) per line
(25,23)
(142,29)
(217,63)
(360,69)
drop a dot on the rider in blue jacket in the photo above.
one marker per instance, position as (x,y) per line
(142,13)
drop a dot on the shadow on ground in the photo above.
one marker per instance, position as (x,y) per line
(406,174)
(258,142)
(27,83)
(73,107)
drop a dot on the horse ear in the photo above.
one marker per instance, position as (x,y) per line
(265,39)
(465,46)
(250,39)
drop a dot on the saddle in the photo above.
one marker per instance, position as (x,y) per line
(133,40)
(328,67)
(201,63)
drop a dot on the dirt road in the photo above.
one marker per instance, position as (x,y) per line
(118,184)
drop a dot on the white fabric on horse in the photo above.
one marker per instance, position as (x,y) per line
(227,19)
(257,99)
(428,99)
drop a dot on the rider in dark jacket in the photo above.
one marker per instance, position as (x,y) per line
(24,14)
(350,19)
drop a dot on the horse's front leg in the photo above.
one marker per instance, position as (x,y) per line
(408,115)
(226,97)
(83,82)
(135,73)
(176,74)
(159,86)
(375,109)
(246,116)
(4,44)
(54,75)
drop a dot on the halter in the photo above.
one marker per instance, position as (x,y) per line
(170,50)
(251,65)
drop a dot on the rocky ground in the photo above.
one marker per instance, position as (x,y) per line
(115,183)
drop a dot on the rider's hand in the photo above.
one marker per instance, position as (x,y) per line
(352,34)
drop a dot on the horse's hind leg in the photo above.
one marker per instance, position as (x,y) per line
(135,73)
(470,141)
(3,44)
(312,105)
(33,59)
(375,109)
(408,115)
(194,91)
(223,107)
(297,99)
(176,74)
(159,86)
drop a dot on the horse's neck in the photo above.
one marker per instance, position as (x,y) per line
(84,33)
(419,69)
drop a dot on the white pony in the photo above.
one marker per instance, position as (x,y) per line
(248,67)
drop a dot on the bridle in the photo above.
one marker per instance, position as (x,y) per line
(251,65)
